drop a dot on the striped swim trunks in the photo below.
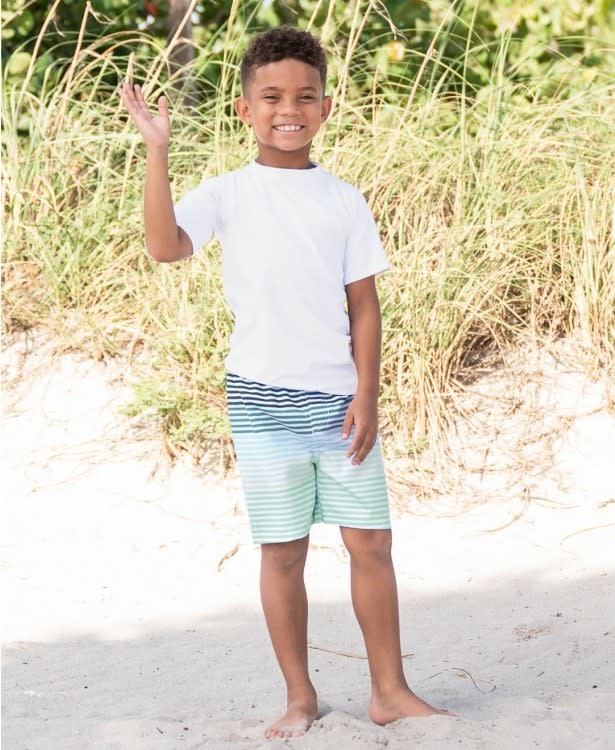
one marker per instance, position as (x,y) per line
(293,463)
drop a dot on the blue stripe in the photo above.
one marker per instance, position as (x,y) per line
(237,383)
(257,408)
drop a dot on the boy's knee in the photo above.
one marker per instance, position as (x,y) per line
(368,543)
(284,556)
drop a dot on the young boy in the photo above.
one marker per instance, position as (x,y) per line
(303,374)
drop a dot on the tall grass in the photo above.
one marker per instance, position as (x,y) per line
(496,211)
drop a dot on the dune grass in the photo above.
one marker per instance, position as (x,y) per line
(496,211)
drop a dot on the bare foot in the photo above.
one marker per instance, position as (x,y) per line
(296,721)
(403,704)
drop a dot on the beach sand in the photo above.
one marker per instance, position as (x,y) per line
(130,612)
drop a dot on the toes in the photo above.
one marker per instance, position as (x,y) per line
(284,732)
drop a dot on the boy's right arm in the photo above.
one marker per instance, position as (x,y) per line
(165,241)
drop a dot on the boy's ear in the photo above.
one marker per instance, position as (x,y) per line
(243,110)
(325,111)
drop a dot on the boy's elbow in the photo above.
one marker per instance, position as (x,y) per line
(166,257)
(157,253)
(168,252)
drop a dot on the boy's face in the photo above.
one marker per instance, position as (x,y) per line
(285,104)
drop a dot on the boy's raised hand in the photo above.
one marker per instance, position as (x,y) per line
(155,129)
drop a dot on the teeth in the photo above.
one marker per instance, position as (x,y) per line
(288,128)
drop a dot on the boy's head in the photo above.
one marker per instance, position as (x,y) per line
(284,43)
(283,75)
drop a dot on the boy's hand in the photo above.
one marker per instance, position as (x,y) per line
(156,130)
(363,414)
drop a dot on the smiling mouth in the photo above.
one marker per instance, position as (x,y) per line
(288,128)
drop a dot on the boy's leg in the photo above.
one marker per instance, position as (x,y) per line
(374,597)
(285,606)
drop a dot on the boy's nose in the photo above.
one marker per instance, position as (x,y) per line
(288,106)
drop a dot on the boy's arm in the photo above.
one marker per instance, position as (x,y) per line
(165,241)
(366,336)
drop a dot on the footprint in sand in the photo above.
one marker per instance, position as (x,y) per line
(527,632)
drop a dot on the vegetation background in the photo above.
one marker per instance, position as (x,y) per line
(482,133)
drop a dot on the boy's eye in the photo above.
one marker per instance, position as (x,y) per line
(272,98)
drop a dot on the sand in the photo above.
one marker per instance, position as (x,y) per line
(130,613)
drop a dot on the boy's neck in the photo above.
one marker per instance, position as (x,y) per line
(284,160)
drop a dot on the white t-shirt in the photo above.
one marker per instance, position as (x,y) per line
(291,240)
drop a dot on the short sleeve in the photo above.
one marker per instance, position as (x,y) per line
(364,255)
(197,212)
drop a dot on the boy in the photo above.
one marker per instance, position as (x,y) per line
(303,374)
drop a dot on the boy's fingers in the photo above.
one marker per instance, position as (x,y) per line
(163,107)
(128,97)
(139,95)
(365,448)
(347,425)
(359,436)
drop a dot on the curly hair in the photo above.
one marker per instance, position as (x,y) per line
(283,43)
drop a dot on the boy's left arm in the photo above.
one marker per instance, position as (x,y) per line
(366,336)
